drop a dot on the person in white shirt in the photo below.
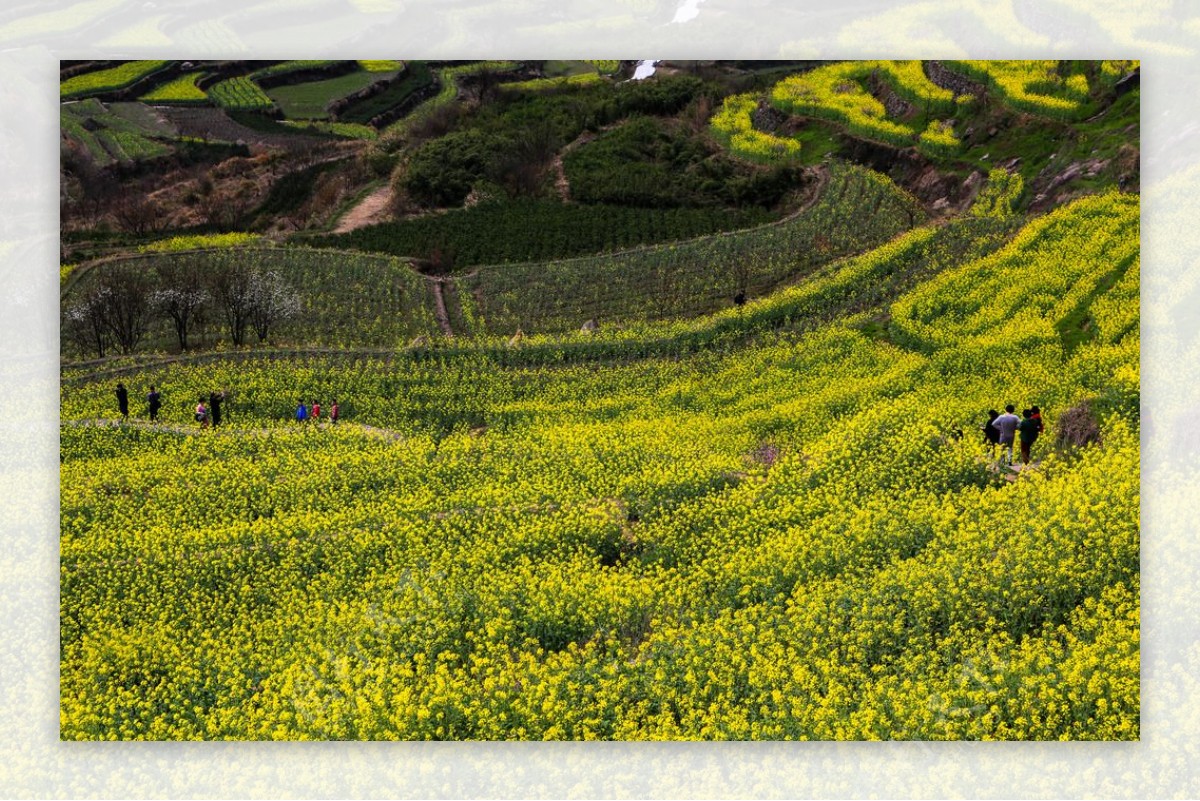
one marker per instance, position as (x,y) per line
(1007,424)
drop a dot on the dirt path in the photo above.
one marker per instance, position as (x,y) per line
(561,184)
(194,429)
(439,306)
(371,209)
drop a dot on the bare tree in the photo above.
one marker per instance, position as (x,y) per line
(233,288)
(83,322)
(181,297)
(95,185)
(182,305)
(126,307)
(225,210)
(272,300)
(138,215)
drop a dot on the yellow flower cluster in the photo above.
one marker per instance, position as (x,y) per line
(106,80)
(198,241)
(381,65)
(999,196)
(838,92)
(1032,86)
(547,84)
(180,90)
(733,125)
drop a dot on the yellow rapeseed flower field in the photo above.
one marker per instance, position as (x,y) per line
(795,532)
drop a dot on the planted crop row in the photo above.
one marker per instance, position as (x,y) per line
(128,147)
(111,137)
(448,90)
(240,94)
(494,233)
(285,67)
(131,118)
(347,298)
(347,130)
(198,241)
(382,65)
(416,78)
(692,277)
(311,99)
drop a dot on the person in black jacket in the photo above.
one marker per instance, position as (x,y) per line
(214,407)
(123,400)
(1029,429)
(990,434)
(153,403)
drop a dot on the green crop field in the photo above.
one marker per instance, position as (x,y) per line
(715,472)
(416,77)
(308,101)
(341,305)
(116,132)
(518,232)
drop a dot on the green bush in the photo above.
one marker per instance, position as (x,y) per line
(443,171)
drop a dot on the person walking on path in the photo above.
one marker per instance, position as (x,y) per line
(123,400)
(201,413)
(990,435)
(1006,426)
(333,411)
(153,403)
(1029,428)
(214,407)
(1037,415)
(301,413)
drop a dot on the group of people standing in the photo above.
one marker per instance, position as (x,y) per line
(153,401)
(1004,429)
(210,414)
(306,413)
(208,409)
